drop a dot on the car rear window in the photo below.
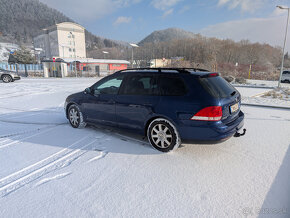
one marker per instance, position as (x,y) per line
(217,87)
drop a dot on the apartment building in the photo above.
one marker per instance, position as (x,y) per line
(63,40)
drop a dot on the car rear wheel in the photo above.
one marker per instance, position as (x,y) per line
(163,135)
(75,117)
(7,79)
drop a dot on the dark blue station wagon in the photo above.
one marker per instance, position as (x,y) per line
(169,106)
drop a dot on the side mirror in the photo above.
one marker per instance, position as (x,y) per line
(88,91)
(97,92)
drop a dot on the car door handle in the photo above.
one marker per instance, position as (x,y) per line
(134,105)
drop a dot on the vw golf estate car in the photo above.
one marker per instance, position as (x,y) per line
(8,76)
(169,106)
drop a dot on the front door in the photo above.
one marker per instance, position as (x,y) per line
(100,104)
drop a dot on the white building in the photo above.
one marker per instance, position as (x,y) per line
(63,40)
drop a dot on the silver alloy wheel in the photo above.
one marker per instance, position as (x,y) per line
(74,117)
(6,79)
(161,136)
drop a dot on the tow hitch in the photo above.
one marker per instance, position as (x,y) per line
(240,134)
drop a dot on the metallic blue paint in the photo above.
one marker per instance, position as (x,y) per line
(134,112)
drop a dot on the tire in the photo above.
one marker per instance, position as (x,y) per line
(163,135)
(75,117)
(7,78)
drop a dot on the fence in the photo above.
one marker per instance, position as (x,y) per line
(24,70)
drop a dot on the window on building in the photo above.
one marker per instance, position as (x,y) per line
(69,49)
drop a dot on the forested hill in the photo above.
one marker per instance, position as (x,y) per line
(167,35)
(20,20)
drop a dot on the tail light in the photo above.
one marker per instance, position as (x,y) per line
(210,75)
(213,113)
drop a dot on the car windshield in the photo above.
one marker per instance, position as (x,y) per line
(217,87)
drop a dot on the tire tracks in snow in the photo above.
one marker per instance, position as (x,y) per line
(11,142)
(13,136)
(52,163)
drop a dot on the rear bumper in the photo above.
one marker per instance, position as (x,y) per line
(210,131)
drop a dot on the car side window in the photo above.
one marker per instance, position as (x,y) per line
(171,86)
(109,87)
(139,85)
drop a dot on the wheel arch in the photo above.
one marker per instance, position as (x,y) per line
(154,118)
(6,74)
(67,107)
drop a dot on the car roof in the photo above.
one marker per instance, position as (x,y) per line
(193,71)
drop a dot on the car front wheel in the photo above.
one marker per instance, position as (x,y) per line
(163,135)
(7,79)
(75,117)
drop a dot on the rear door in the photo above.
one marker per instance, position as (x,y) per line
(136,100)
(228,97)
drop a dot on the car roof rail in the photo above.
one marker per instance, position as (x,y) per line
(180,70)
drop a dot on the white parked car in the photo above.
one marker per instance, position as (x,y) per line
(8,76)
(285,77)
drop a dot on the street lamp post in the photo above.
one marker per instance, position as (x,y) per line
(105,52)
(285,39)
(136,46)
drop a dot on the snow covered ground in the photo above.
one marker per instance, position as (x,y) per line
(263,83)
(48,169)
(254,96)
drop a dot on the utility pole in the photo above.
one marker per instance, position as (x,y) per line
(285,39)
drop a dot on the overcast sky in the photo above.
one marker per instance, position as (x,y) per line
(132,20)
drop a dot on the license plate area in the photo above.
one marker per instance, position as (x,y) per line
(234,108)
